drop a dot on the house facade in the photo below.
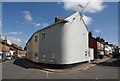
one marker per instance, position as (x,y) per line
(108,49)
(20,52)
(8,52)
(64,42)
(5,47)
(93,44)
(100,47)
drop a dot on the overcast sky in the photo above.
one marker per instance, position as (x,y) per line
(21,20)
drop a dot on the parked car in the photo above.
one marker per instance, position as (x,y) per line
(8,57)
(116,53)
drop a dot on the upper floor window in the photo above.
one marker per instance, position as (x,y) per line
(106,46)
(43,36)
(36,38)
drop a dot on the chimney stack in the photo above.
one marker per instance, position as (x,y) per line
(58,19)
(90,33)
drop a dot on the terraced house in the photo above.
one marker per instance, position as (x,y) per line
(8,52)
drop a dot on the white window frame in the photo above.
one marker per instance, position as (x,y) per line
(43,36)
(43,56)
(36,38)
(52,56)
(36,56)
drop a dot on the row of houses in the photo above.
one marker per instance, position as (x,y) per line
(8,52)
(101,47)
(67,41)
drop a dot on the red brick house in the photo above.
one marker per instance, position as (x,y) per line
(93,44)
(18,50)
(7,49)
(4,47)
(21,52)
(97,44)
(100,47)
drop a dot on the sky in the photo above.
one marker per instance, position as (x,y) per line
(21,19)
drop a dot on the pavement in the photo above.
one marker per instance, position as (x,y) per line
(78,67)
(0,71)
(106,68)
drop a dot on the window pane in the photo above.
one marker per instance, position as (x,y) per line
(36,38)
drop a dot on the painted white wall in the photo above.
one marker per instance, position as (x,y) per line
(91,51)
(33,48)
(51,44)
(74,40)
(11,52)
(67,42)
(108,49)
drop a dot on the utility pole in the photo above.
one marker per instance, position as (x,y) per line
(5,40)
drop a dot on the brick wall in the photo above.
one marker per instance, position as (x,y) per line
(92,42)
(21,53)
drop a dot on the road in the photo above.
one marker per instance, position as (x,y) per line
(105,70)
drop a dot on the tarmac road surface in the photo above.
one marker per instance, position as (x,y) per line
(105,70)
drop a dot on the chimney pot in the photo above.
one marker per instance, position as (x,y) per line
(57,19)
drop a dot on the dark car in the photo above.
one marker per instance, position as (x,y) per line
(116,53)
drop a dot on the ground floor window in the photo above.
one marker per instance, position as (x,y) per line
(36,56)
(52,56)
(43,56)
(86,53)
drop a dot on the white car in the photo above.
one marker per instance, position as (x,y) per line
(8,57)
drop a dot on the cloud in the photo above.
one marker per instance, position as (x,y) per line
(92,7)
(41,24)
(88,20)
(98,30)
(45,24)
(27,16)
(9,42)
(4,38)
(14,40)
(13,33)
(37,24)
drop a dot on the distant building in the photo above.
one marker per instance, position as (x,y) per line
(14,48)
(10,51)
(100,47)
(18,51)
(98,44)
(21,52)
(108,49)
(4,47)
